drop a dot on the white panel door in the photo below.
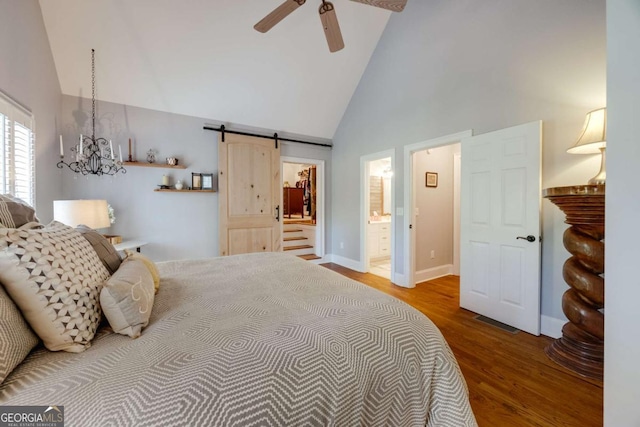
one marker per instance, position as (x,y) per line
(500,226)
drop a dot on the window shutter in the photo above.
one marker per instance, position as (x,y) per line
(18,150)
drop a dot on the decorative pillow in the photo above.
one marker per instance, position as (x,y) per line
(105,250)
(54,276)
(150,265)
(14,212)
(127,298)
(16,338)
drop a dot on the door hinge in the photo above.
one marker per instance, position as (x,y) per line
(275,137)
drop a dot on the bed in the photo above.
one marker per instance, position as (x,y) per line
(258,339)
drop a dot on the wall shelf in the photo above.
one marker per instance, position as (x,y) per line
(171,190)
(155,165)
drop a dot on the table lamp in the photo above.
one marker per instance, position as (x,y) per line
(593,140)
(92,213)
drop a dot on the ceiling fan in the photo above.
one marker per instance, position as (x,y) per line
(328,17)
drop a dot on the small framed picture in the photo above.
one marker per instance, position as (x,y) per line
(207,181)
(431,179)
(196,181)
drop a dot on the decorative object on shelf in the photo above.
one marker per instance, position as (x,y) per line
(431,179)
(196,181)
(207,181)
(151,156)
(93,156)
(179,185)
(172,161)
(165,181)
(286,184)
(92,213)
(593,140)
(130,158)
(581,348)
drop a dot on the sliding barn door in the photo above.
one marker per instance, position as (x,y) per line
(249,189)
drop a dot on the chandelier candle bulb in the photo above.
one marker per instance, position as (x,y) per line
(111,148)
(61,147)
(120,151)
(80,143)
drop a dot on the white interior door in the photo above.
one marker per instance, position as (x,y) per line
(500,208)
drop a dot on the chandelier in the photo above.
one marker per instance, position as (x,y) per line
(93,156)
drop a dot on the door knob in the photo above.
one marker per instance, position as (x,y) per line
(529,238)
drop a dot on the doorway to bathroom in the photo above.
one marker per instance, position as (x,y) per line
(377,231)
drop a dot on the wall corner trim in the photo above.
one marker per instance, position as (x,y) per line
(551,326)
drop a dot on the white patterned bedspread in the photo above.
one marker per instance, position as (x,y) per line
(260,339)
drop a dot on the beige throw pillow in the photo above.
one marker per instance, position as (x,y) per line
(127,298)
(16,337)
(105,250)
(54,276)
(153,269)
(15,212)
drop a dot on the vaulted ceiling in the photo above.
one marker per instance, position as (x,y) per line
(203,58)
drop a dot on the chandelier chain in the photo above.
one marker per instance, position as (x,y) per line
(93,92)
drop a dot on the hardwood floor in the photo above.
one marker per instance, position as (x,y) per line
(511,381)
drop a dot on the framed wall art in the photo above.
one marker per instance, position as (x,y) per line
(207,181)
(196,181)
(431,179)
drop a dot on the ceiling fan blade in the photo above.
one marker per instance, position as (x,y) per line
(393,5)
(331,27)
(278,14)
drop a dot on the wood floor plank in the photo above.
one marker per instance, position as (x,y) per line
(511,381)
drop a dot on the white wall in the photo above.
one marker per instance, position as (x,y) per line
(434,223)
(176,225)
(443,67)
(622,293)
(28,74)
(290,173)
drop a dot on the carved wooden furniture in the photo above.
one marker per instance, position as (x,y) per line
(293,201)
(581,347)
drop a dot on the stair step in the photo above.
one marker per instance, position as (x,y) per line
(290,239)
(293,230)
(293,248)
(309,257)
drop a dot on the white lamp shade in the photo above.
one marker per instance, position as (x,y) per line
(594,134)
(92,213)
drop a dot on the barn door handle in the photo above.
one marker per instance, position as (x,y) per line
(529,238)
(278,213)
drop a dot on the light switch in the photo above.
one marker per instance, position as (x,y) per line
(399,211)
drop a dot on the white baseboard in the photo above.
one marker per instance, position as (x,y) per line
(433,273)
(346,262)
(551,327)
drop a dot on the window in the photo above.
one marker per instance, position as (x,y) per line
(17,153)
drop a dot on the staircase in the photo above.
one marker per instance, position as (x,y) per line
(299,240)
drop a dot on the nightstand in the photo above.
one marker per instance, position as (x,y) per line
(130,244)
